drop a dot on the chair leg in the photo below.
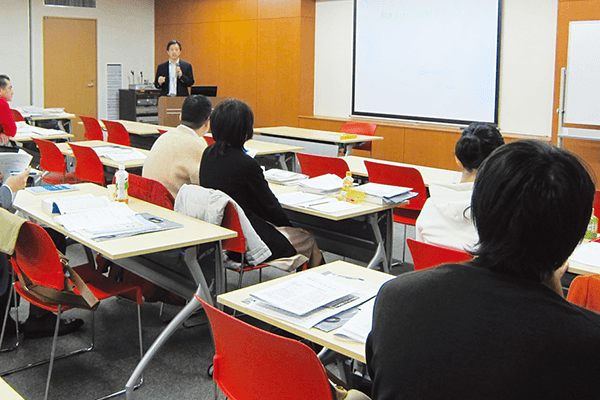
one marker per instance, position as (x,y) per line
(6,311)
(53,352)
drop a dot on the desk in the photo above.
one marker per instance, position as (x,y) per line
(289,135)
(53,135)
(7,392)
(66,150)
(327,339)
(357,233)
(35,114)
(126,251)
(357,166)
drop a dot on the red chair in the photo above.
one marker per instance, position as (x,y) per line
(597,203)
(150,190)
(209,139)
(116,133)
(313,165)
(231,220)
(250,363)
(585,292)
(161,131)
(361,128)
(88,166)
(53,162)
(17,115)
(93,130)
(37,260)
(401,176)
(427,255)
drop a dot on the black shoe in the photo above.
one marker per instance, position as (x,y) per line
(43,326)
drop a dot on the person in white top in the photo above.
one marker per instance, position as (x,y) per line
(446,216)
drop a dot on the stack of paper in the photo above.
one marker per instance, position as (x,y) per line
(282,177)
(359,326)
(97,217)
(14,162)
(117,153)
(384,194)
(324,184)
(311,298)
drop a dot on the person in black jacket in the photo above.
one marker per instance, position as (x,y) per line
(226,166)
(497,327)
(174,77)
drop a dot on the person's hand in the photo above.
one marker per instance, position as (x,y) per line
(161,80)
(3,138)
(179,73)
(18,182)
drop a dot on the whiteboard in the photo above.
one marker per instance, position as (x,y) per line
(428,60)
(582,88)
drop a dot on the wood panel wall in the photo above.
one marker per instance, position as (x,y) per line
(574,10)
(260,51)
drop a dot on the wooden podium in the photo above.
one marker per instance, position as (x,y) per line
(169,109)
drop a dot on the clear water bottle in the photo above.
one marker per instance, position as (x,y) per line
(122,182)
(346,184)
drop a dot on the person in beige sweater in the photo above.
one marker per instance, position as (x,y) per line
(174,159)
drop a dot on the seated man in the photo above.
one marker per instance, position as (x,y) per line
(175,157)
(497,327)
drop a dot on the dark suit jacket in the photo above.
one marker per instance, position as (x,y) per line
(186,80)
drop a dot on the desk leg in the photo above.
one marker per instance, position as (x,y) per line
(179,319)
(190,258)
(381,254)
(348,148)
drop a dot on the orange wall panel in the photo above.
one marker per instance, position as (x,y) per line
(279,9)
(278,71)
(206,50)
(307,63)
(430,148)
(238,60)
(238,10)
(186,11)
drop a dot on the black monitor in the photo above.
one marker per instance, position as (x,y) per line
(208,91)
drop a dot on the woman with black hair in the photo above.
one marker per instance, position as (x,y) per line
(446,216)
(226,167)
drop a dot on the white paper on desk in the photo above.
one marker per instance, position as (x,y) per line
(304,293)
(587,253)
(14,162)
(116,153)
(294,198)
(114,217)
(358,327)
(76,203)
(23,129)
(47,132)
(311,319)
(333,205)
(323,183)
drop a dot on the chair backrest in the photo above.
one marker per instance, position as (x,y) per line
(88,166)
(253,364)
(37,257)
(150,190)
(209,139)
(360,128)
(16,115)
(161,131)
(597,204)
(116,133)
(93,130)
(52,160)
(427,255)
(399,176)
(585,292)
(313,165)
(231,220)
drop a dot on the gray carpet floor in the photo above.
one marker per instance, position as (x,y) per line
(178,371)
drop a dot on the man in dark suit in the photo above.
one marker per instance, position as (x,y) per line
(174,77)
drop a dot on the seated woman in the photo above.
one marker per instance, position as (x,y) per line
(446,216)
(226,166)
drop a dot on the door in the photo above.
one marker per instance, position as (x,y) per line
(70,67)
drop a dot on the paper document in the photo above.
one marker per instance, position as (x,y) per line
(283,177)
(117,153)
(380,190)
(16,162)
(359,326)
(587,253)
(299,198)
(328,183)
(332,205)
(304,294)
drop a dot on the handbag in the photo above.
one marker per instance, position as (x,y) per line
(85,299)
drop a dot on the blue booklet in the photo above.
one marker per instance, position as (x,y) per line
(52,188)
